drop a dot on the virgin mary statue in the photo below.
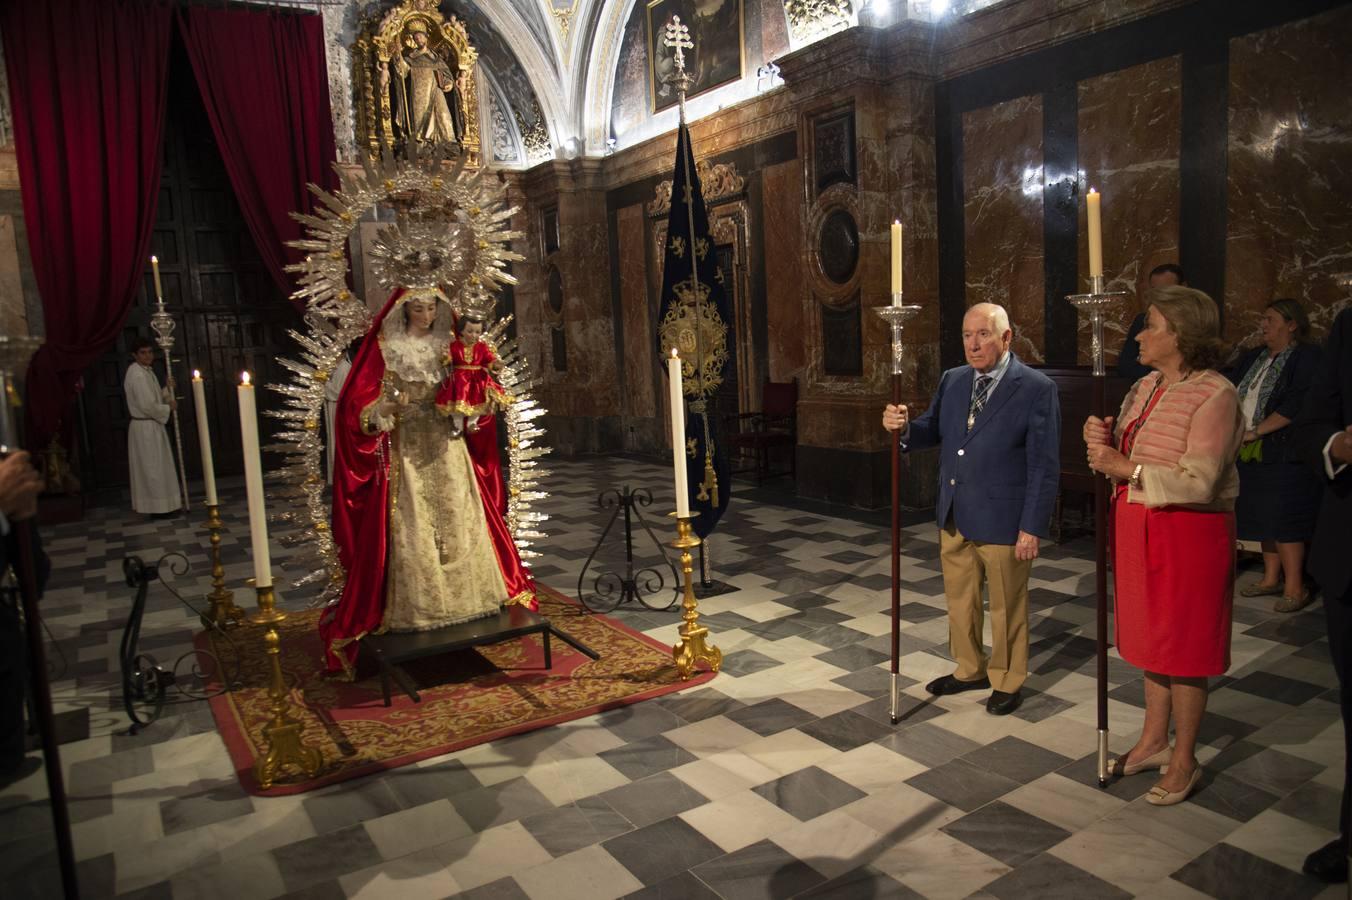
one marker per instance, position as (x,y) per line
(416,517)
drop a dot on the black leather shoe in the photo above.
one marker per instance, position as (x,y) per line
(1002,704)
(1328,863)
(947,684)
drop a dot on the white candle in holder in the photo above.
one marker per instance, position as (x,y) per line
(1093,203)
(199,398)
(253,484)
(896,257)
(155,268)
(678,434)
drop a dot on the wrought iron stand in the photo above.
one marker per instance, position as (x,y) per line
(610,589)
(145,683)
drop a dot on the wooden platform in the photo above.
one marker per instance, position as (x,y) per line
(392,649)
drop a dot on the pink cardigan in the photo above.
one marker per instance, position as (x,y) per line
(1187,447)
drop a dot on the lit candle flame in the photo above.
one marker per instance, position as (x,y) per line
(197,375)
(244,378)
(674,354)
(154,259)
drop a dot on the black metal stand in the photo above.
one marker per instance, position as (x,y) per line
(25,571)
(708,587)
(145,684)
(392,649)
(610,589)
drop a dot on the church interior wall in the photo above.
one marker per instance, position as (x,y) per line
(1194,126)
(1215,131)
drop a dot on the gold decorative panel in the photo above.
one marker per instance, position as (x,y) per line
(392,59)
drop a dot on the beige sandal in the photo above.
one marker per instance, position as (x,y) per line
(1293,604)
(1258,589)
(1158,796)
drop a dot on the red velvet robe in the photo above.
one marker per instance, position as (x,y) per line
(360,518)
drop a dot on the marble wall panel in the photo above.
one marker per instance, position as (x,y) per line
(1130,125)
(1288,232)
(584,262)
(1002,212)
(638,399)
(785,288)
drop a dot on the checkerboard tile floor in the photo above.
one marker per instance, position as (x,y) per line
(782,778)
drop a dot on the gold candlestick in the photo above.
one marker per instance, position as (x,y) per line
(223,610)
(286,745)
(692,650)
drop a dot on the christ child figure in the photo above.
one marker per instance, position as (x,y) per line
(472,392)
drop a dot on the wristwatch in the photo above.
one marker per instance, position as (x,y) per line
(1135,479)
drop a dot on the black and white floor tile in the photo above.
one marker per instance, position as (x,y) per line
(782,778)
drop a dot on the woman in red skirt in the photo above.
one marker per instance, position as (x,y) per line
(1171,456)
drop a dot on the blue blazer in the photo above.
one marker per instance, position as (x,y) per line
(1002,476)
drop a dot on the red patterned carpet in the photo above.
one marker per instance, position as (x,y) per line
(468,698)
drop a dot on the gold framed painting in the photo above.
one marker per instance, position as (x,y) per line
(719,54)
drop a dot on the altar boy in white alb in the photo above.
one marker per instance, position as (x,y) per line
(154,482)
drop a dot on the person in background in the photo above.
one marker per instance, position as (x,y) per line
(154,481)
(1171,454)
(1128,361)
(1278,495)
(1322,437)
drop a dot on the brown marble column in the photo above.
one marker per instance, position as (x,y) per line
(584,400)
(843,453)
(642,427)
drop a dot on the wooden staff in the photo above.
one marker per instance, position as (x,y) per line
(1094,304)
(896,315)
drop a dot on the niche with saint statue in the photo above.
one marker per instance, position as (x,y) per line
(414,75)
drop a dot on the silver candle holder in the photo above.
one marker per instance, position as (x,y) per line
(896,314)
(162,323)
(1095,304)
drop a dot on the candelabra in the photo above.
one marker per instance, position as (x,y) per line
(693,648)
(896,314)
(282,735)
(1094,304)
(223,610)
(162,323)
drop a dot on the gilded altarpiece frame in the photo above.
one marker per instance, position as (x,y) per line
(379,40)
(729,222)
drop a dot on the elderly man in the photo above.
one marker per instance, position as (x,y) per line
(997,425)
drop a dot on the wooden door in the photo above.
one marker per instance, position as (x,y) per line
(230,315)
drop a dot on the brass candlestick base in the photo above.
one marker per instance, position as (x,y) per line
(692,650)
(223,610)
(286,746)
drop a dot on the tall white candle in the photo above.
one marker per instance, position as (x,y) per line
(678,434)
(155,268)
(199,398)
(896,257)
(253,484)
(1093,206)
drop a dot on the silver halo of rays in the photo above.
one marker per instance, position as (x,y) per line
(470,246)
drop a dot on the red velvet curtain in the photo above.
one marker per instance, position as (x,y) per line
(263,80)
(87,85)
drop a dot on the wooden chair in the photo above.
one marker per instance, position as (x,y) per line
(755,435)
(1075,390)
